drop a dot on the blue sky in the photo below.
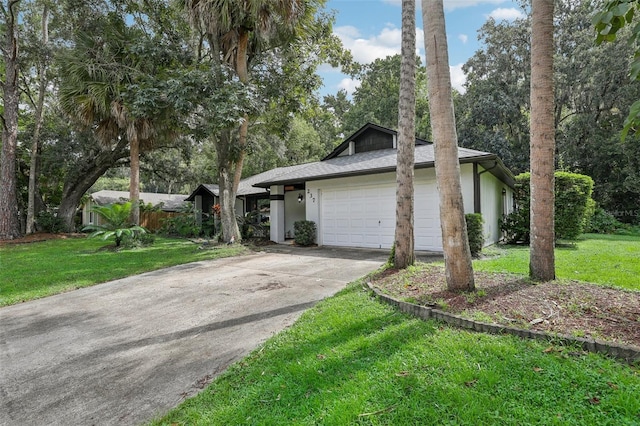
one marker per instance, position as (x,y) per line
(371,30)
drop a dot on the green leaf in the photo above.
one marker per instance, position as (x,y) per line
(632,120)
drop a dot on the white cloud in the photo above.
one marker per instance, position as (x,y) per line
(457,77)
(463,38)
(349,84)
(386,43)
(510,14)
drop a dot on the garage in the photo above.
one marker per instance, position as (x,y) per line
(365,216)
(358,216)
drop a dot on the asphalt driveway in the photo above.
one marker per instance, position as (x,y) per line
(125,352)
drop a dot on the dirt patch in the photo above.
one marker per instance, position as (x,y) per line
(565,307)
(39,237)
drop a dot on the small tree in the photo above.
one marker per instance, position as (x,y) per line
(117,223)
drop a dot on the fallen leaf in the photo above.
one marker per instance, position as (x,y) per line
(536,321)
(595,400)
(549,349)
(537,369)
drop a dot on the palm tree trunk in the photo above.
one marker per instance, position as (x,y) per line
(404,235)
(9,222)
(542,143)
(455,244)
(243,75)
(134,181)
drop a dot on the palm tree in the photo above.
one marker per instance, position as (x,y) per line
(117,223)
(404,238)
(236,30)
(542,143)
(95,74)
(455,244)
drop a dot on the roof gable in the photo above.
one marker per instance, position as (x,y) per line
(369,137)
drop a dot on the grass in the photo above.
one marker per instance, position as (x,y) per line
(612,260)
(351,360)
(34,270)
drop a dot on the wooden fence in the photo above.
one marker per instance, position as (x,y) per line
(154,220)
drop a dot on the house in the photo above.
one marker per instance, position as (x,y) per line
(248,197)
(168,203)
(351,193)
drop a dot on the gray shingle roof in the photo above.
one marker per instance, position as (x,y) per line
(170,202)
(366,163)
(246,186)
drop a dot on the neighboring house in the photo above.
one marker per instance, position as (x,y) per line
(168,203)
(248,197)
(351,193)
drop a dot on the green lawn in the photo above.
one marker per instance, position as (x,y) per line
(30,271)
(352,360)
(612,260)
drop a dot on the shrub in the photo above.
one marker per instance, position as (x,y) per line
(49,222)
(251,226)
(182,225)
(572,207)
(573,192)
(515,225)
(475,233)
(305,232)
(116,223)
(603,222)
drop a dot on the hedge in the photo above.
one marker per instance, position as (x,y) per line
(572,207)
(475,232)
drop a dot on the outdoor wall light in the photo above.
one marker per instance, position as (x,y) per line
(300,198)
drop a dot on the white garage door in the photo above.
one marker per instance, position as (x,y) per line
(365,217)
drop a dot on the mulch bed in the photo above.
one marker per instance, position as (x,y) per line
(39,237)
(564,307)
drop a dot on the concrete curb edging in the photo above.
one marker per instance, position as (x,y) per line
(626,353)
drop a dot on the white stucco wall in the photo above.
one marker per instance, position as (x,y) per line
(293,211)
(493,204)
(466,181)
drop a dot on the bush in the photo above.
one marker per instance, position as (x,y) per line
(183,225)
(603,222)
(515,225)
(573,192)
(49,222)
(305,232)
(251,226)
(475,232)
(572,207)
(116,223)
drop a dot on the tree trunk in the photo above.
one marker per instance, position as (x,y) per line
(78,182)
(542,143)
(226,190)
(243,75)
(404,237)
(455,244)
(134,180)
(35,146)
(9,223)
